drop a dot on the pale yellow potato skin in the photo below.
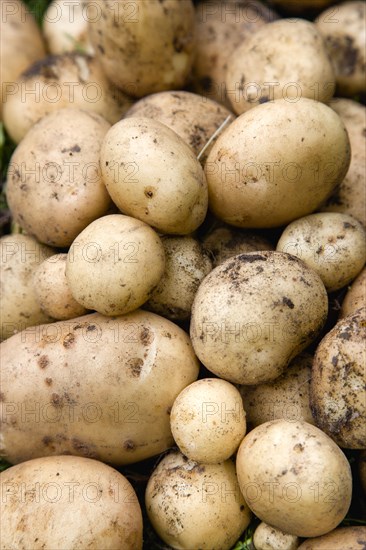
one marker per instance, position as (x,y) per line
(192,505)
(276,163)
(208,420)
(294,477)
(20,255)
(54,184)
(153,175)
(68,502)
(254,313)
(267,537)
(355,297)
(97,387)
(144,47)
(352,538)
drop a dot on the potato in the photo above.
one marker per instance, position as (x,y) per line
(337,390)
(276,163)
(352,538)
(20,255)
(331,243)
(294,477)
(208,420)
(254,313)
(186,265)
(56,82)
(269,538)
(287,397)
(144,47)
(194,118)
(353,115)
(286,60)
(154,176)
(52,290)
(356,295)
(114,265)
(193,505)
(343,29)
(94,387)
(54,186)
(68,502)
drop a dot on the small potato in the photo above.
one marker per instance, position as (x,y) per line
(154,176)
(208,420)
(68,502)
(114,265)
(337,390)
(193,505)
(294,477)
(356,296)
(52,290)
(330,243)
(350,538)
(267,537)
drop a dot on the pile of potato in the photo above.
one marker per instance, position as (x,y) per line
(188,202)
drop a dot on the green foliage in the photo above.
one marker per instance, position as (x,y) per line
(246,542)
(4,465)
(37,7)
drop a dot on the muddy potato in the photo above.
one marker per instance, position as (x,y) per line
(352,538)
(54,186)
(272,164)
(254,313)
(286,60)
(337,390)
(331,243)
(287,472)
(193,505)
(114,265)
(68,502)
(267,537)
(99,385)
(208,420)
(287,397)
(356,295)
(154,176)
(52,290)
(20,256)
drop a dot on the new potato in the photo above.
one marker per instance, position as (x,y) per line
(267,537)
(356,295)
(352,538)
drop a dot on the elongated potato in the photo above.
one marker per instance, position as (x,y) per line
(94,387)
(352,538)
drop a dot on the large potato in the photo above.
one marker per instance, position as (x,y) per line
(352,538)
(254,313)
(68,502)
(276,163)
(94,387)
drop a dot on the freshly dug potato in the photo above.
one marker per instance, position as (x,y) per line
(154,176)
(267,537)
(356,295)
(193,505)
(353,115)
(286,60)
(338,384)
(254,313)
(20,256)
(362,469)
(276,163)
(287,397)
(94,387)
(21,44)
(186,265)
(54,186)
(352,538)
(114,265)
(344,30)
(68,502)
(52,290)
(208,420)
(59,81)
(331,243)
(144,47)
(194,118)
(294,477)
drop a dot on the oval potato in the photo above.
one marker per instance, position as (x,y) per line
(352,538)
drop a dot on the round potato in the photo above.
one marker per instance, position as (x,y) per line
(208,420)
(68,502)
(331,243)
(337,390)
(352,538)
(52,290)
(276,163)
(294,477)
(267,537)
(254,313)
(193,505)
(114,265)
(356,295)
(154,176)
(54,186)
